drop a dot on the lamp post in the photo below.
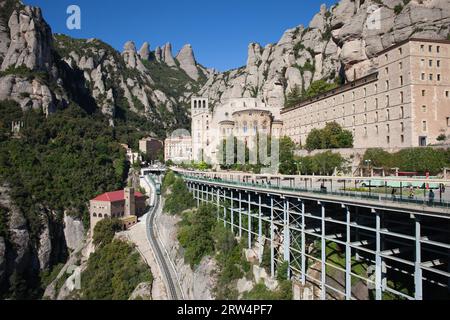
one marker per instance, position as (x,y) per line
(298,163)
(368,162)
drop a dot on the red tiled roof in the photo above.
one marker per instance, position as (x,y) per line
(115,196)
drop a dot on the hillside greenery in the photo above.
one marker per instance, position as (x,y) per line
(180,199)
(419,160)
(333,136)
(200,235)
(113,272)
(59,162)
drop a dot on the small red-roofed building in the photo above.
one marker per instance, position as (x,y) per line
(125,205)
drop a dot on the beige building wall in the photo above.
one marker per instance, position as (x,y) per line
(384,109)
(178,149)
(208,125)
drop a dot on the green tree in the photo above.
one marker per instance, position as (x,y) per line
(332,136)
(105,230)
(287,161)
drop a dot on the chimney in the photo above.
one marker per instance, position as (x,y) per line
(130,202)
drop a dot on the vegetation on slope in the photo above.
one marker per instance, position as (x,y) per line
(114,270)
(60,162)
(418,160)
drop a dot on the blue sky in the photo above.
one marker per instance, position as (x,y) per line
(218,30)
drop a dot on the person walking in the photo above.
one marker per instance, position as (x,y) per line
(431,197)
(393,192)
(411,193)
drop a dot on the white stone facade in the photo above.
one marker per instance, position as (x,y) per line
(242,118)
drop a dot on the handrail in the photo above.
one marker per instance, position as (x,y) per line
(352,194)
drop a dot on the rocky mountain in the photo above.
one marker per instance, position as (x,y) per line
(341,40)
(40,70)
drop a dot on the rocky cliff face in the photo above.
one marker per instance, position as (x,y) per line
(26,252)
(342,39)
(28,68)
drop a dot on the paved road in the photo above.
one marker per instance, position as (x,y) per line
(164,265)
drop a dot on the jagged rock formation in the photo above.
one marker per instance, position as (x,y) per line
(167,55)
(344,38)
(26,53)
(40,71)
(144,52)
(187,62)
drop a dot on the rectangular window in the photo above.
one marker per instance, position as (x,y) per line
(430,48)
(430,77)
(430,63)
(446,94)
(401,80)
(422,48)
(400,51)
(402,126)
(376,129)
(438,63)
(422,76)
(402,138)
(401,97)
(438,49)
(388,139)
(388,128)
(423,93)
(424,125)
(438,77)
(402,112)
(400,65)
(386,70)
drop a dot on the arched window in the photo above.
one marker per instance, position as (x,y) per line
(106,216)
(245,127)
(100,215)
(94,215)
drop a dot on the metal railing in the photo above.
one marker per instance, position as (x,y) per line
(423,202)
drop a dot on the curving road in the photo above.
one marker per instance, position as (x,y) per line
(161,259)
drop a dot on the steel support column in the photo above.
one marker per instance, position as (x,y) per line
(249,224)
(418,262)
(232,212)
(240,215)
(287,238)
(303,248)
(218,204)
(323,293)
(272,248)
(224,209)
(261,245)
(378,260)
(348,257)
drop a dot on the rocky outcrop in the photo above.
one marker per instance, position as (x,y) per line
(30,94)
(167,55)
(187,62)
(142,292)
(74,232)
(144,52)
(346,36)
(30,40)
(2,260)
